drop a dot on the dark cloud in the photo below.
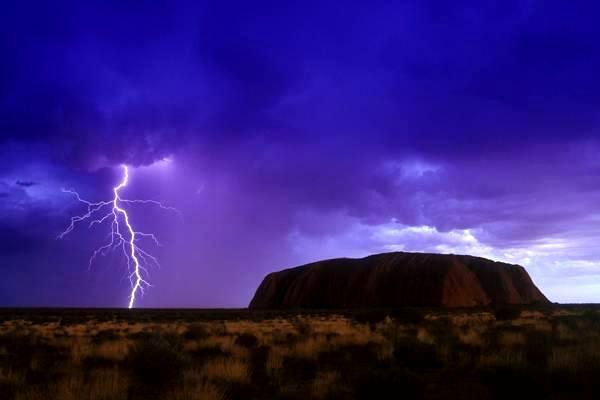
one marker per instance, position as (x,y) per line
(26,183)
(483,76)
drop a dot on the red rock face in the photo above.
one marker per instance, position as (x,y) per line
(398,280)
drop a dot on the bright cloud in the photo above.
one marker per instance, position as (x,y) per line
(550,261)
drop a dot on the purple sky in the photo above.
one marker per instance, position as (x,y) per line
(286,134)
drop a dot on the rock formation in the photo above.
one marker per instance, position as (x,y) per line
(398,280)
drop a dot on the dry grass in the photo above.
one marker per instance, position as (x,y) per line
(309,348)
(9,376)
(424,336)
(114,350)
(568,358)
(324,384)
(502,358)
(226,369)
(195,387)
(470,336)
(327,353)
(106,385)
(471,319)
(202,391)
(274,362)
(512,339)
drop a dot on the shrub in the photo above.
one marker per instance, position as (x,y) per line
(335,360)
(357,353)
(592,317)
(105,336)
(195,332)
(246,340)
(241,391)
(503,379)
(303,326)
(369,317)
(297,369)
(20,349)
(8,389)
(156,361)
(407,315)
(538,349)
(258,366)
(386,383)
(415,354)
(10,382)
(348,356)
(507,313)
(463,354)
(208,352)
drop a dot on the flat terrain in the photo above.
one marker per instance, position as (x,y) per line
(531,353)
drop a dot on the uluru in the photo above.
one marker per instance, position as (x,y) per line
(398,279)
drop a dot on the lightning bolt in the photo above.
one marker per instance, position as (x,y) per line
(122,234)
